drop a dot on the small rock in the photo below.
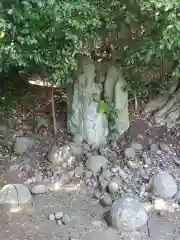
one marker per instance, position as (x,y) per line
(66,219)
(164,147)
(39,189)
(28,181)
(51,217)
(57,156)
(49,174)
(131,164)
(106,201)
(88,174)
(96,163)
(137,146)
(76,149)
(13,195)
(58,215)
(128,214)
(33,179)
(164,185)
(77,138)
(23,144)
(114,170)
(103,185)
(86,147)
(106,174)
(97,194)
(79,172)
(113,187)
(3,130)
(59,222)
(153,147)
(39,178)
(129,153)
(147,159)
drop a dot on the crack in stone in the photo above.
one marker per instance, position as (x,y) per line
(17,195)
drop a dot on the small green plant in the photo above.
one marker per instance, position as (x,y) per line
(43,122)
(108,109)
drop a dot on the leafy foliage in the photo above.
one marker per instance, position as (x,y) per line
(49,33)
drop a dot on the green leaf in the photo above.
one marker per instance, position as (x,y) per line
(43,122)
(104,107)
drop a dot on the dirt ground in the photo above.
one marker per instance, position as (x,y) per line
(86,213)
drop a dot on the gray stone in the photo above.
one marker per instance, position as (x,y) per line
(77,138)
(96,163)
(164,147)
(137,146)
(121,103)
(127,214)
(88,174)
(39,178)
(66,219)
(131,164)
(23,144)
(58,215)
(79,172)
(84,117)
(59,155)
(76,149)
(113,187)
(39,189)
(14,195)
(97,194)
(103,185)
(164,185)
(106,174)
(51,217)
(106,201)
(59,222)
(129,153)
(153,147)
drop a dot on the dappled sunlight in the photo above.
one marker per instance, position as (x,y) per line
(16,209)
(162,205)
(58,186)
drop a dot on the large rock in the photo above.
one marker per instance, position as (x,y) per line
(84,117)
(121,103)
(23,144)
(164,185)
(14,195)
(96,163)
(127,214)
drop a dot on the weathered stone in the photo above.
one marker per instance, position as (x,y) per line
(79,172)
(84,117)
(76,149)
(106,174)
(129,153)
(131,164)
(23,144)
(121,103)
(58,215)
(113,187)
(164,185)
(164,147)
(66,219)
(96,163)
(137,146)
(51,217)
(103,185)
(88,174)
(77,138)
(127,214)
(14,195)
(59,155)
(106,201)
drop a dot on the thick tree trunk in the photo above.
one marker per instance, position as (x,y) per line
(97,83)
(165,110)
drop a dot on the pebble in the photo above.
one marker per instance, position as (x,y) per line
(106,201)
(113,187)
(103,185)
(51,217)
(131,165)
(97,194)
(129,153)
(114,170)
(59,222)
(79,172)
(66,219)
(39,178)
(58,215)
(33,180)
(88,174)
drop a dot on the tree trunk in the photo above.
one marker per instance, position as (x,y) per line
(95,83)
(165,110)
